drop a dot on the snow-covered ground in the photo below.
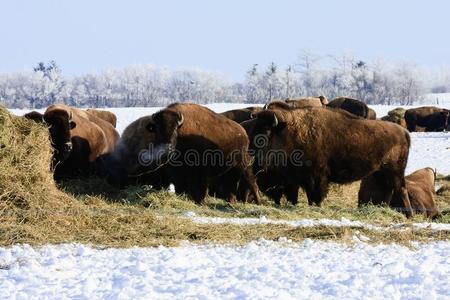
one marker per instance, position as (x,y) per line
(302,223)
(261,269)
(427,149)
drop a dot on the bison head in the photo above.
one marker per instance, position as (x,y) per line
(145,145)
(261,128)
(60,124)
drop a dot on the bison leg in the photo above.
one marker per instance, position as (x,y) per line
(197,189)
(400,197)
(291,192)
(275,194)
(250,180)
(316,190)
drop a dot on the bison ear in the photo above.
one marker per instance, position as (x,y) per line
(35,116)
(72,124)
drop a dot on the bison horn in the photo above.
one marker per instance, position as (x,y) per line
(181,120)
(275,121)
(70,116)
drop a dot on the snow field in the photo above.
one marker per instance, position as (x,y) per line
(260,269)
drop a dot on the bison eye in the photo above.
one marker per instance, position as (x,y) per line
(151,127)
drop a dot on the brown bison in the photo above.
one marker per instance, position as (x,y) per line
(420,186)
(192,144)
(312,147)
(78,137)
(429,117)
(241,115)
(104,115)
(307,101)
(396,116)
(353,106)
(269,182)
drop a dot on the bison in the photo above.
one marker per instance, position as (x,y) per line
(307,101)
(192,144)
(104,115)
(396,116)
(429,117)
(312,147)
(353,106)
(420,186)
(241,115)
(79,138)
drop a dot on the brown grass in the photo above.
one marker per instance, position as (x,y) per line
(34,210)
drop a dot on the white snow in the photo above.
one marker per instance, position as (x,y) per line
(427,149)
(261,269)
(343,222)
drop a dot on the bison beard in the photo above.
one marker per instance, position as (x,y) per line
(338,147)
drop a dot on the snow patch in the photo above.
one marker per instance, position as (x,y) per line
(260,269)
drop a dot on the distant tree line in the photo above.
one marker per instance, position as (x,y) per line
(147,85)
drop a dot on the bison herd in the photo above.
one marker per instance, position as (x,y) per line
(277,149)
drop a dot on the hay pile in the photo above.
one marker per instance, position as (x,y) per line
(29,197)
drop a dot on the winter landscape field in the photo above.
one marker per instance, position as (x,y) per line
(91,210)
(357,263)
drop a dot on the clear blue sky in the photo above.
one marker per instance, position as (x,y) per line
(227,36)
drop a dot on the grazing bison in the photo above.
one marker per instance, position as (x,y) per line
(353,106)
(241,115)
(396,116)
(429,117)
(104,115)
(78,137)
(193,144)
(312,147)
(420,186)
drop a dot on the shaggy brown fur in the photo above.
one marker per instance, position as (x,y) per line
(429,117)
(353,106)
(420,186)
(193,131)
(79,138)
(241,115)
(332,146)
(104,115)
